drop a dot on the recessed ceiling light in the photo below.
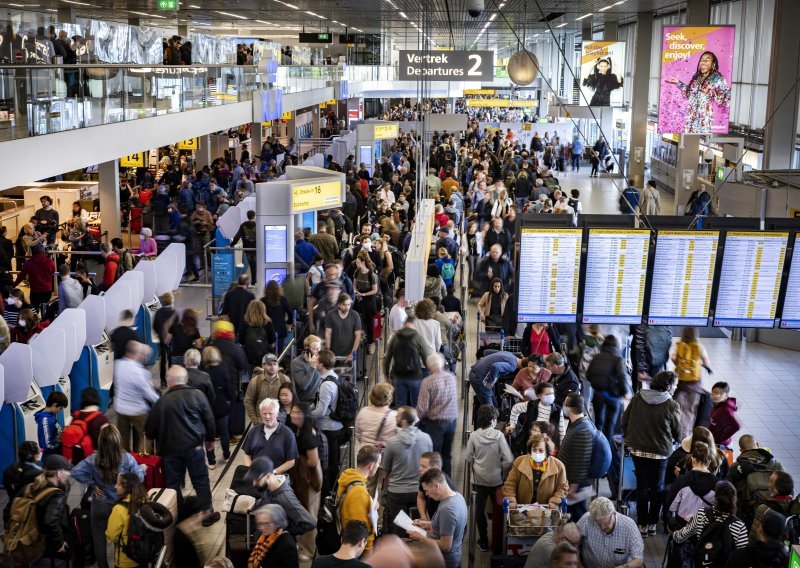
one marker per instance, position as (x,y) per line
(604,8)
(582,17)
(77,3)
(194,6)
(292,6)
(316,15)
(501,5)
(231,15)
(561,25)
(51,10)
(492,17)
(403,15)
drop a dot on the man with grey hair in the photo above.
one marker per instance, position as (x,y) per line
(437,408)
(543,548)
(610,539)
(133,394)
(181,421)
(273,440)
(198,379)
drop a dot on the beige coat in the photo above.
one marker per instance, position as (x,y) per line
(519,484)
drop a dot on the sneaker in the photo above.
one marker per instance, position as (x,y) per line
(211,519)
(483,545)
(234,440)
(212,465)
(643,530)
(651,530)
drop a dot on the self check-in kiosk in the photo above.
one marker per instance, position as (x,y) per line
(22,400)
(73,322)
(49,354)
(148,309)
(143,318)
(95,366)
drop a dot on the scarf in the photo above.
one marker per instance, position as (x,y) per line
(262,547)
(540,468)
(224,335)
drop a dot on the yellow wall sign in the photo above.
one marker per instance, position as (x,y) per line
(132,161)
(190,144)
(310,196)
(479,91)
(501,103)
(286,116)
(386,131)
(526,126)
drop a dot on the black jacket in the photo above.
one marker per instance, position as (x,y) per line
(608,372)
(234,305)
(576,451)
(52,516)
(120,338)
(162,316)
(760,555)
(224,391)
(564,384)
(201,381)
(15,478)
(283,553)
(700,482)
(180,420)
(233,357)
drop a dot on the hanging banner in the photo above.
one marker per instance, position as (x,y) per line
(696,71)
(602,73)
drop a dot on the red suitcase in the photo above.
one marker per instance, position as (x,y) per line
(154,474)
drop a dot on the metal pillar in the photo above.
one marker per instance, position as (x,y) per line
(641,90)
(109,197)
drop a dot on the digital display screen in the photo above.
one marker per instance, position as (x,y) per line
(549,272)
(683,276)
(790,318)
(750,281)
(276,274)
(616,271)
(365,155)
(274,243)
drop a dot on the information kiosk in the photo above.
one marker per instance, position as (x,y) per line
(22,399)
(73,322)
(95,366)
(149,307)
(370,137)
(49,350)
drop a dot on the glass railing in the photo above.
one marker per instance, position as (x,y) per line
(297,78)
(371,73)
(43,99)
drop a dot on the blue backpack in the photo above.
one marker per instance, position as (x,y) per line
(601,455)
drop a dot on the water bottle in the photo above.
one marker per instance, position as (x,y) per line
(563,505)
(505,506)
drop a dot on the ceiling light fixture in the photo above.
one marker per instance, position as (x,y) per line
(267,23)
(492,17)
(194,6)
(316,15)
(561,25)
(604,8)
(231,15)
(582,17)
(145,14)
(403,15)
(51,10)
(292,6)
(77,3)
(500,7)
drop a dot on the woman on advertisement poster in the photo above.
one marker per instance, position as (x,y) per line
(707,86)
(602,81)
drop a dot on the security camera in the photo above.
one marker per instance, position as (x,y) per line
(475,7)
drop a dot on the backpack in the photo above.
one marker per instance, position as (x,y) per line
(256,344)
(406,359)
(715,545)
(76,443)
(601,455)
(448,271)
(22,539)
(346,402)
(687,365)
(123,260)
(659,342)
(144,541)
(756,489)
(329,524)
(398,261)
(248,236)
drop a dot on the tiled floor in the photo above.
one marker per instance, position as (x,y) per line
(762,378)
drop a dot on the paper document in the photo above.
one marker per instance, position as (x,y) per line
(404,522)
(513,392)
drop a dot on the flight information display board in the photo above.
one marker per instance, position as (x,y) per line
(549,272)
(616,271)
(683,275)
(752,266)
(790,318)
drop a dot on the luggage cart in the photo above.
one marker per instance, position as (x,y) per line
(521,529)
(622,464)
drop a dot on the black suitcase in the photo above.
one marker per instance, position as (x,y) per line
(500,561)
(240,537)
(80,530)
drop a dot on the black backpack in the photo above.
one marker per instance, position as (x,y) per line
(329,526)
(144,541)
(249,236)
(256,344)
(346,401)
(406,359)
(399,262)
(715,544)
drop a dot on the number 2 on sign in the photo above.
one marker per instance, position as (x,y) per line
(475,68)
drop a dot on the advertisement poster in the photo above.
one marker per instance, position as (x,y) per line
(696,70)
(602,73)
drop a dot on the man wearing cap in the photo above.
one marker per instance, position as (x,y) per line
(262,474)
(272,440)
(52,512)
(181,421)
(265,383)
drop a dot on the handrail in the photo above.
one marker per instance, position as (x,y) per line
(127,66)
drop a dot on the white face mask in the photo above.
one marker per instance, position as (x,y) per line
(12,301)
(21,323)
(538,458)
(367,246)
(549,399)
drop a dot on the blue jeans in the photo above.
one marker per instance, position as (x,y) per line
(406,391)
(485,394)
(442,434)
(607,412)
(194,460)
(521,201)
(576,163)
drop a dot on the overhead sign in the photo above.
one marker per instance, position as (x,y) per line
(386,131)
(310,196)
(132,161)
(315,38)
(501,103)
(479,92)
(167,5)
(287,115)
(447,65)
(190,144)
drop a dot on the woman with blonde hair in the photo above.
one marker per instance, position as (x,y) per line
(258,334)
(5,335)
(537,477)
(225,396)
(375,425)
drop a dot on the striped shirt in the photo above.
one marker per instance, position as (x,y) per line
(701,520)
(438,397)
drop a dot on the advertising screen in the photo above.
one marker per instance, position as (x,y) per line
(616,270)
(274,243)
(602,73)
(750,281)
(549,270)
(683,275)
(276,274)
(696,70)
(790,318)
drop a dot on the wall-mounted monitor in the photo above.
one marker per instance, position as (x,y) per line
(275,243)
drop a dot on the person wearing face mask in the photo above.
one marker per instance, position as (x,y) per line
(491,458)
(541,406)
(536,477)
(13,306)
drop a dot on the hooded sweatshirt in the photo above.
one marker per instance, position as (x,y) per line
(401,459)
(655,422)
(691,492)
(281,493)
(357,504)
(723,422)
(490,456)
(49,430)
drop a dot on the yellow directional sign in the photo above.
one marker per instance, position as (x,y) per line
(132,161)
(190,144)
(386,131)
(311,196)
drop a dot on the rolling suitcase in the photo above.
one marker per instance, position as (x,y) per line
(154,472)
(81,533)
(168,498)
(240,537)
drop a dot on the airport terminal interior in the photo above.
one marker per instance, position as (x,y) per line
(437,284)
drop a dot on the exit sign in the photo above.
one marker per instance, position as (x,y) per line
(168,5)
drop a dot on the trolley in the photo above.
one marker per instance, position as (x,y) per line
(623,474)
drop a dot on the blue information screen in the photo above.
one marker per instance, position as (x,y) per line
(274,243)
(276,274)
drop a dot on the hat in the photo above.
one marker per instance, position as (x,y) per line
(269,358)
(259,467)
(55,462)
(155,516)
(773,525)
(222,325)
(686,444)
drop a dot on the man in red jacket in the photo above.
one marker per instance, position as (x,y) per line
(723,422)
(39,270)
(111,265)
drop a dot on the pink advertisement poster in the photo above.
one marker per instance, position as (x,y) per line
(696,69)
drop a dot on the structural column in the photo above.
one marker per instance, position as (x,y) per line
(610,31)
(780,133)
(698,13)
(203,153)
(109,197)
(639,96)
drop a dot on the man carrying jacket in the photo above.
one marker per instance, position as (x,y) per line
(181,421)
(38,269)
